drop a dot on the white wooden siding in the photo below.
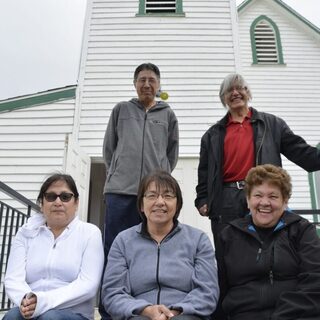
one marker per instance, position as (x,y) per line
(194,53)
(290,91)
(32,144)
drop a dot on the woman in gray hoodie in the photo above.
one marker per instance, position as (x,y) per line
(161,268)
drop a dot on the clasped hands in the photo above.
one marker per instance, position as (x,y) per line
(159,312)
(28,305)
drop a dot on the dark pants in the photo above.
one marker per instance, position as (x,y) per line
(121,214)
(234,205)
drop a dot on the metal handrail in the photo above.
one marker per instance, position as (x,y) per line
(314,213)
(11,219)
(19,197)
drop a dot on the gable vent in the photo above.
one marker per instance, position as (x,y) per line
(160,6)
(266,45)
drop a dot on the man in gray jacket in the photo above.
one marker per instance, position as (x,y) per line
(142,135)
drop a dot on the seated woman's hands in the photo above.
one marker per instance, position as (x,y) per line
(28,305)
(159,312)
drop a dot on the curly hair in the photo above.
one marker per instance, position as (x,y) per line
(271,174)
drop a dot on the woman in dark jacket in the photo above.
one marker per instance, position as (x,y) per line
(269,266)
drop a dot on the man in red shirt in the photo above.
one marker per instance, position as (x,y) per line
(243,138)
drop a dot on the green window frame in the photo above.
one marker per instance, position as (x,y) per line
(160,8)
(314,183)
(265,42)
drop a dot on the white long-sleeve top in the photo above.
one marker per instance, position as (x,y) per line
(63,273)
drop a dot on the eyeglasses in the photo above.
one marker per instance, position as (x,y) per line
(237,88)
(64,196)
(144,80)
(153,196)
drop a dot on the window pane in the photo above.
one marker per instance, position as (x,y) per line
(160,6)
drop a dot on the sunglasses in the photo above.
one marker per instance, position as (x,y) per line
(64,196)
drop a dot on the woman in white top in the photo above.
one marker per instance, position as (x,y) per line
(56,260)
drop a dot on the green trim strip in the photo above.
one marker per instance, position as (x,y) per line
(299,16)
(243,5)
(313,196)
(313,193)
(253,41)
(289,9)
(38,99)
(312,184)
(179,9)
(142,5)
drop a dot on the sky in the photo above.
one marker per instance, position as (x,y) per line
(40,45)
(41,42)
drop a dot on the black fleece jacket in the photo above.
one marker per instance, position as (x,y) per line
(274,279)
(272,137)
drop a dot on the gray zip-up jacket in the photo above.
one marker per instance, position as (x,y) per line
(137,142)
(180,273)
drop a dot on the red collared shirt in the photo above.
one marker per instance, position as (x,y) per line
(238,149)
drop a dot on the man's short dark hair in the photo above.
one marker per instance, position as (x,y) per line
(146,66)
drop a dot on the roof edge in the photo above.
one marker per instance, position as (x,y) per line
(289,9)
(38,98)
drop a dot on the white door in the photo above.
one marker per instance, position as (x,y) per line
(186,173)
(77,163)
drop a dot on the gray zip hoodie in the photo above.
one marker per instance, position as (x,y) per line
(137,142)
(180,273)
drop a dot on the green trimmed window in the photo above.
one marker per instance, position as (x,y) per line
(160,7)
(265,42)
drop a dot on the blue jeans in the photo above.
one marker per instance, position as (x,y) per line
(121,214)
(54,314)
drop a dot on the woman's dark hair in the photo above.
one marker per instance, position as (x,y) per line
(162,180)
(54,178)
(271,174)
(146,66)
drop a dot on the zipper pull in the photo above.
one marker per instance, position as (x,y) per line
(271,277)
(259,254)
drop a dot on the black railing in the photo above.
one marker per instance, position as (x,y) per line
(313,215)
(10,221)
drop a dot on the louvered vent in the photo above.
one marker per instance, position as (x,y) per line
(160,6)
(266,45)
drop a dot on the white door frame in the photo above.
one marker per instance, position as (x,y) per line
(78,164)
